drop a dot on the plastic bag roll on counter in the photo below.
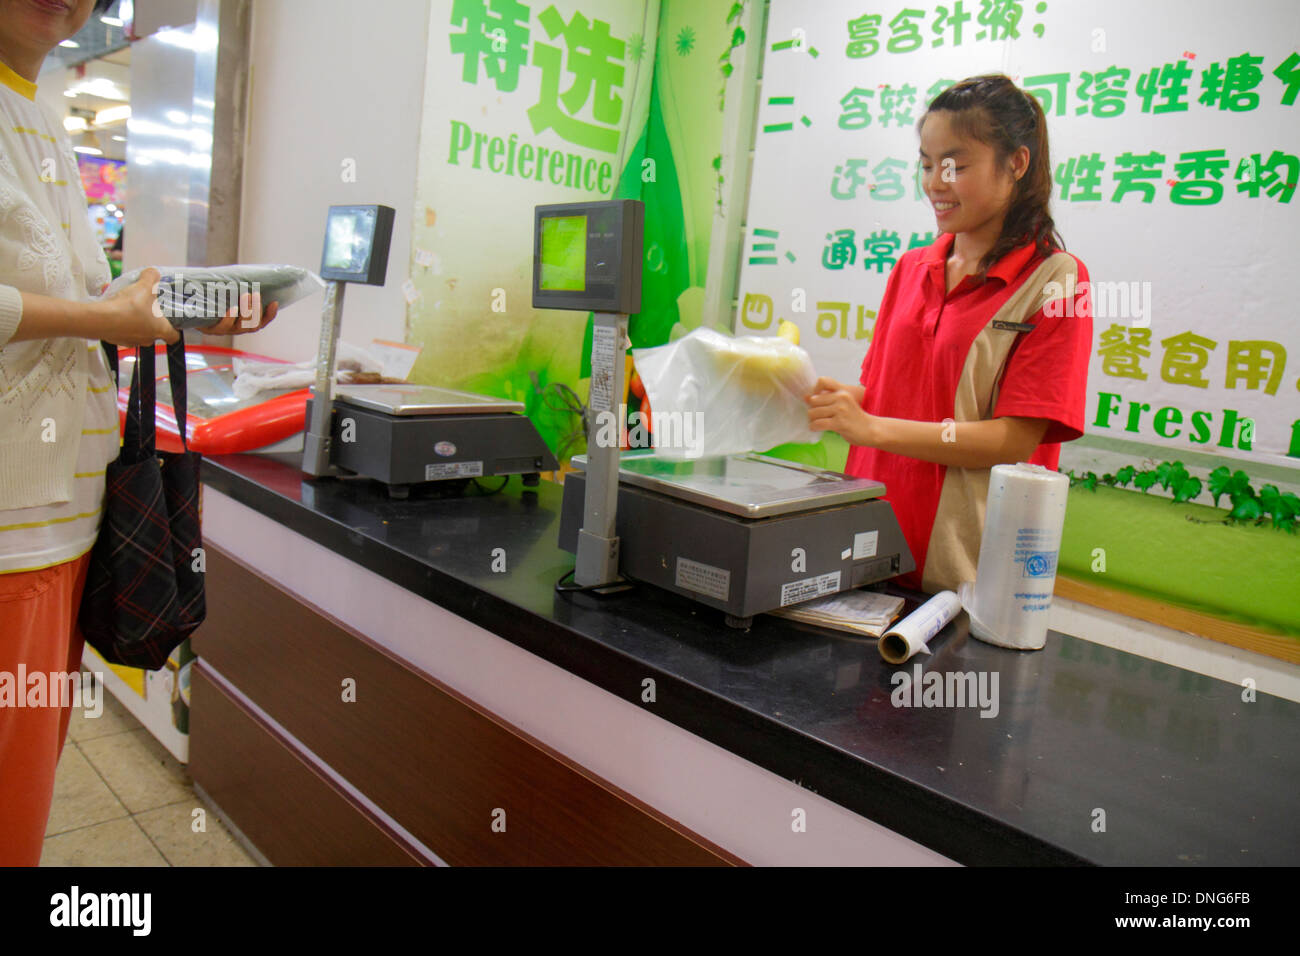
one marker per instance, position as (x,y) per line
(1011,597)
(912,635)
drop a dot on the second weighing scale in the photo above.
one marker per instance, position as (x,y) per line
(745,533)
(405,435)
(402,435)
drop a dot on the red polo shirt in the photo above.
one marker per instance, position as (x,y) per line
(938,355)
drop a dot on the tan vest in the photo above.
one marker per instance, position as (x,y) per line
(955,538)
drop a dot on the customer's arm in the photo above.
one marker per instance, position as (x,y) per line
(128,318)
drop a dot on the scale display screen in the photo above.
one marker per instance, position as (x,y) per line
(564,253)
(356,244)
(587,256)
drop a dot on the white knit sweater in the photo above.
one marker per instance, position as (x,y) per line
(58,419)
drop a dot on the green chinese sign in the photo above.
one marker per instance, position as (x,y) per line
(579,69)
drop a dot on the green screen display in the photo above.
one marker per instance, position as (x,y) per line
(564,254)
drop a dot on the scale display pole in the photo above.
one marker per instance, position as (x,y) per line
(316,442)
(587,258)
(597,560)
(356,250)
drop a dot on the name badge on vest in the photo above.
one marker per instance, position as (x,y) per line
(1012,326)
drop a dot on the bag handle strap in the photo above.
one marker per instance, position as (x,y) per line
(178,377)
(140,432)
(144,363)
(110,356)
(131,433)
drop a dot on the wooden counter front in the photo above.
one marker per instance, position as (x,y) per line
(322,748)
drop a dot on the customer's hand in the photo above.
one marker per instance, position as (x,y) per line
(246,317)
(133,316)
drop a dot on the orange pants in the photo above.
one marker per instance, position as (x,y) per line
(38,628)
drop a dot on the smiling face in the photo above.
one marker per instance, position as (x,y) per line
(31,28)
(972,192)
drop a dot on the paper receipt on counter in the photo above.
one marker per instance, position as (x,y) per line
(866,614)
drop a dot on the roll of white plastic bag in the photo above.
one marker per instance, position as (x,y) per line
(1011,597)
(712,394)
(912,634)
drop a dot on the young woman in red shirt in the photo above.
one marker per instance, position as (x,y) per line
(980,350)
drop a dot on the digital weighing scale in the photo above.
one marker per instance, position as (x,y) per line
(402,435)
(405,435)
(745,533)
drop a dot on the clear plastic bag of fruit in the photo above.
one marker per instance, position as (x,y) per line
(715,394)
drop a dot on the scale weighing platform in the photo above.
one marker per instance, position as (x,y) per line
(405,435)
(745,533)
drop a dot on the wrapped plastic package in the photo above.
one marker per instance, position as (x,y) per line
(726,395)
(195,297)
(355,366)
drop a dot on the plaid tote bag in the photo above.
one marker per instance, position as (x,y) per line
(144,586)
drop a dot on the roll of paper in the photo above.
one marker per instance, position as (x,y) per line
(1012,595)
(911,635)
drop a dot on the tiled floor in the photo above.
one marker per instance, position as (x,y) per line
(120,799)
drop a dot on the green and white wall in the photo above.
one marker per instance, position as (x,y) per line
(1175,148)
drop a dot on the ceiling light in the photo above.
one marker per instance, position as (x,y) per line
(71,44)
(100,86)
(88,150)
(199,38)
(75,124)
(112,114)
(111,21)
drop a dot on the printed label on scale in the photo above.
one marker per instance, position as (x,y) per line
(602,366)
(809,588)
(703,579)
(453,469)
(864,544)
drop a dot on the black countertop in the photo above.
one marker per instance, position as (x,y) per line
(1094,755)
